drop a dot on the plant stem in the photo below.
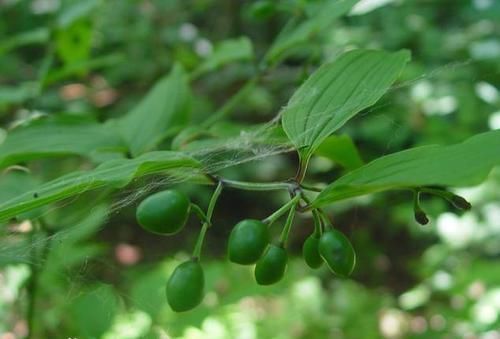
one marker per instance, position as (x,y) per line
(454,199)
(304,158)
(288,226)
(208,222)
(282,210)
(199,241)
(256,186)
(311,188)
(199,212)
(318,229)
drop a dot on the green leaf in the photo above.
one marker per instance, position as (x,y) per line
(336,92)
(51,136)
(226,52)
(464,164)
(113,173)
(161,113)
(293,36)
(341,150)
(36,36)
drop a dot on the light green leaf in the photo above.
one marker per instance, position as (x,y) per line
(341,150)
(226,52)
(336,92)
(58,136)
(293,36)
(163,111)
(113,173)
(464,164)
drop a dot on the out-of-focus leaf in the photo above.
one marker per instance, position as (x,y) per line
(341,149)
(36,36)
(226,52)
(336,92)
(73,43)
(163,111)
(87,65)
(76,11)
(113,173)
(464,164)
(94,310)
(58,136)
(293,36)
(10,95)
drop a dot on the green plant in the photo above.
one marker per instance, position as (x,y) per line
(158,139)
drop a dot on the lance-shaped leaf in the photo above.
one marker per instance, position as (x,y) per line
(336,92)
(113,173)
(59,136)
(464,164)
(164,110)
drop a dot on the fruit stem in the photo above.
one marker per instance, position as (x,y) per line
(199,241)
(282,210)
(317,223)
(456,200)
(208,222)
(419,214)
(199,212)
(288,226)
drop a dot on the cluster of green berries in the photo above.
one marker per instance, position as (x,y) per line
(249,243)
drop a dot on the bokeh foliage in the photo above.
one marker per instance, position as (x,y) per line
(77,64)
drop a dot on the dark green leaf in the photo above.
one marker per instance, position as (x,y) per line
(114,173)
(341,150)
(464,164)
(57,136)
(336,92)
(163,111)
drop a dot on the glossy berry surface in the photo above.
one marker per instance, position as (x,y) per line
(185,288)
(164,212)
(338,253)
(272,266)
(247,241)
(310,251)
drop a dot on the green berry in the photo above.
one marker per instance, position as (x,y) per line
(338,253)
(247,241)
(272,266)
(310,251)
(164,212)
(185,288)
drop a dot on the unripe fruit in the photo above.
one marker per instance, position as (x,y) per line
(164,212)
(185,288)
(272,266)
(338,253)
(310,251)
(247,241)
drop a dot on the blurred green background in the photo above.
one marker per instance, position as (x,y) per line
(104,277)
